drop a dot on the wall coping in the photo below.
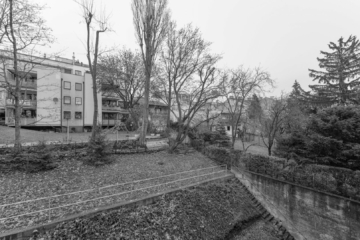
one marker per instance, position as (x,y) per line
(297,185)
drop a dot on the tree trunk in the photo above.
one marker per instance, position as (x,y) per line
(96,111)
(270,141)
(169,106)
(233,136)
(145,119)
(17,145)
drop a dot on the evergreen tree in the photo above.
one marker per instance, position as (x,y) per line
(339,78)
(331,137)
(254,110)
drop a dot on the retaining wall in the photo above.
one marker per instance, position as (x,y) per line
(305,212)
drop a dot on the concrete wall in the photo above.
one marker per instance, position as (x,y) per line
(48,97)
(305,213)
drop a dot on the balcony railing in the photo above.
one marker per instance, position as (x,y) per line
(109,122)
(23,121)
(161,114)
(23,103)
(112,108)
(29,84)
(110,95)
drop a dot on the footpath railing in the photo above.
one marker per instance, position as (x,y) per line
(45,209)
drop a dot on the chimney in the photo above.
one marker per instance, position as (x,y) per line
(73,58)
(44,55)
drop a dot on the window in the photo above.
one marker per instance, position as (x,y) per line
(77,72)
(67,100)
(228,128)
(78,115)
(67,85)
(78,86)
(78,100)
(67,115)
(67,71)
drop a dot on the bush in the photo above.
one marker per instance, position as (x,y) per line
(32,159)
(98,148)
(198,144)
(341,181)
(216,138)
(221,155)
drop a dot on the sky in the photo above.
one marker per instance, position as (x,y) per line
(284,37)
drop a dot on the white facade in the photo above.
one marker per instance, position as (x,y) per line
(48,106)
(54,94)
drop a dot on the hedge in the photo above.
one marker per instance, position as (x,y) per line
(340,181)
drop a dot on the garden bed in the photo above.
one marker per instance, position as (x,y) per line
(208,211)
(72,175)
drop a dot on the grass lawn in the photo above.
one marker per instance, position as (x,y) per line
(255,149)
(72,175)
(7,136)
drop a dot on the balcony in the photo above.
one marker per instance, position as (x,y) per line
(23,121)
(159,114)
(112,108)
(107,95)
(23,103)
(109,122)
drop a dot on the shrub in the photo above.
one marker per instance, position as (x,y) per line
(220,155)
(198,144)
(341,181)
(216,138)
(98,148)
(32,159)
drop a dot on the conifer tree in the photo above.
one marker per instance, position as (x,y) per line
(339,79)
(255,110)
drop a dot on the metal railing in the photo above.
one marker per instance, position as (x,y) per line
(47,208)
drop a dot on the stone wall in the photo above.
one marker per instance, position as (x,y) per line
(304,212)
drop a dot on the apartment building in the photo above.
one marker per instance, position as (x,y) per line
(55,93)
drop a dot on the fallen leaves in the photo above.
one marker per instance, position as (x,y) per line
(187,214)
(72,175)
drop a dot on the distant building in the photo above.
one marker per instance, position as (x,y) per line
(56,93)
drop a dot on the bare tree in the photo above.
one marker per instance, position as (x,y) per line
(151,20)
(21,30)
(237,86)
(273,122)
(182,54)
(207,116)
(122,73)
(199,89)
(92,50)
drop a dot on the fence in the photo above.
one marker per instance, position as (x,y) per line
(45,209)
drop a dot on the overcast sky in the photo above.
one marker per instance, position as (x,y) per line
(283,36)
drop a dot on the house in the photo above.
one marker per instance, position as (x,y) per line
(56,93)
